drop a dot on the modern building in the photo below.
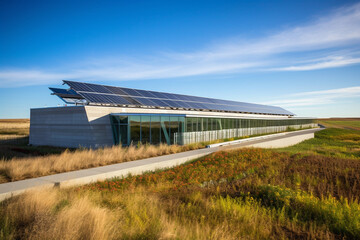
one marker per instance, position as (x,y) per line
(101,115)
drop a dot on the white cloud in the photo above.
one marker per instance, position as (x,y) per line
(316,98)
(281,51)
(333,63)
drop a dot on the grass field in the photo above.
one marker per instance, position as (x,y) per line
(344,123)
(19,127)
(308,191)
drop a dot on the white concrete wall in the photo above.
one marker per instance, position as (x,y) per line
(69,127)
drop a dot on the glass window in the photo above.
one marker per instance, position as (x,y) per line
(188,124)
(232,123)
(219,123)
(145,129)
(174,128)
(205,124)
(194,124)
(165,129)
(123,119)
(216,125)
(181,124)
(114,120)
(124,134)
(199,124)
(135,134)
(155,129)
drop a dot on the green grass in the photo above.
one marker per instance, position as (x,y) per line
(332,142)
(347,123)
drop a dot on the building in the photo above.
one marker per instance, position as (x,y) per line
(105,115)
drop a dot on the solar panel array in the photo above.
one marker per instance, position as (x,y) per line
(101,94)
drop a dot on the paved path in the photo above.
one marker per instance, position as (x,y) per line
(90,175)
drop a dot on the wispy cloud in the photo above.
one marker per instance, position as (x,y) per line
(316,98)
(331,63)
(322,37)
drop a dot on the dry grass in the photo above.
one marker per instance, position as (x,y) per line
(49,215)
(14,127)
(18,169)
(10,137)
(242,194)
(54,214)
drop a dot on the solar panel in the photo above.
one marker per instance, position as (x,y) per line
(116,90)
(100,94)
(174,104)
(63,91)
(106,99)
(148,94)
(145,101)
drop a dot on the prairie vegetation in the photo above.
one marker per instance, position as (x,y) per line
(344,123)
(308,191)
(18,169)
(14,127)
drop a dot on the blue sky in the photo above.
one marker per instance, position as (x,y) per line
(300,55)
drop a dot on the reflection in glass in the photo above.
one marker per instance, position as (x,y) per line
(123,134)
(174,128)
(135,129)
(145,129)
(155,129)
(165,136)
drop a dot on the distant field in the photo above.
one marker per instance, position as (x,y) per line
(13,127)
(346,123)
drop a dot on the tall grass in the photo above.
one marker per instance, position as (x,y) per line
(14,127)
(18,169)
(238,194)
(48,215)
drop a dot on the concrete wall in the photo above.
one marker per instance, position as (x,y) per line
(69,127)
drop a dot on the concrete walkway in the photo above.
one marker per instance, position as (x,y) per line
(90,175)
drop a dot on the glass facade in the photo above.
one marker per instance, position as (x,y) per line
(147,129)
(200,124)
(171,129)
